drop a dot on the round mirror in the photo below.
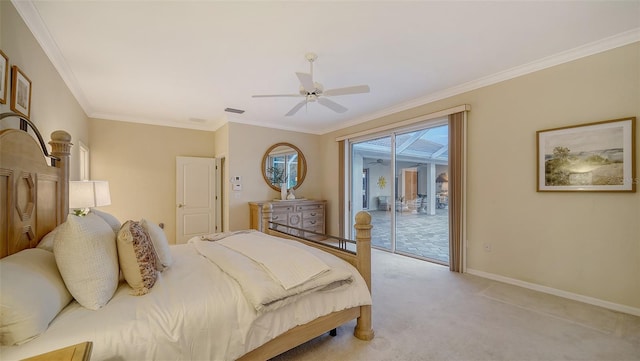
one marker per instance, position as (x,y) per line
(283,163)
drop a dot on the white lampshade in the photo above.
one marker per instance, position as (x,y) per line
(87,194)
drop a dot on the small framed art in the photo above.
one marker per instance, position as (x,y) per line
(20,92)
(597,157)
(4,77)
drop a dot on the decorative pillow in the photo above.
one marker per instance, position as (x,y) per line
(87,257)
(32,293)
(46,242)
(138,259)
(160,242)
(112,221)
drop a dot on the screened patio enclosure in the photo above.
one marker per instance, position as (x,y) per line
(401,179)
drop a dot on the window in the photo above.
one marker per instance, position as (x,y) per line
(84,161)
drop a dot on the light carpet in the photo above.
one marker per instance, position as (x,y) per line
(422,311)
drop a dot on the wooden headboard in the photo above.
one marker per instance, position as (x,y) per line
(34,195)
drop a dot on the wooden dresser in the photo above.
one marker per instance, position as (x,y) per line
(306,214)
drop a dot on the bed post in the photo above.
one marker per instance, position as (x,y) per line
(364,330)
(267,210)
(61,149)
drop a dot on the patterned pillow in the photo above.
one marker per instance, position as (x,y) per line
(160,242)
(138,259)
(86,255)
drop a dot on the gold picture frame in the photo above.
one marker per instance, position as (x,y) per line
(4,77)
(20,92)
(593,157)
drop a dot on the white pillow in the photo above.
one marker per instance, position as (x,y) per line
(138,259)
(46,242)
(86,254)
(32,293)
(112,221)
(160,242)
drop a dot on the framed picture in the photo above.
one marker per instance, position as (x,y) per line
(4,77)
(20,92)
(597,157)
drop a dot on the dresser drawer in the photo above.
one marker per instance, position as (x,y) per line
(283,209)
(279,218)
(295,220)
(309,207)
(312,223)
(313,214)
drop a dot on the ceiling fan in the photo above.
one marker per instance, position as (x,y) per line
(313,91)
(378,161)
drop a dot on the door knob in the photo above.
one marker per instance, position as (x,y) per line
(180,205)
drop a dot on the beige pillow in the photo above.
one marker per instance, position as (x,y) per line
(112,221)
(138,259)
(32,293)
(86,255)
(46,242)
(160,242)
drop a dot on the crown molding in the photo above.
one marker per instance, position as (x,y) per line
(32,19)
(210,126)
(612,42)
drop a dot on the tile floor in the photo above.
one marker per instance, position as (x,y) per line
(418,234)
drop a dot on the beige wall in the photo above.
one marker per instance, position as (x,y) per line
(584,243)
(139,161)
(53,106)
(247,145)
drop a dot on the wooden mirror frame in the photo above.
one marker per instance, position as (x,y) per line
(302,165)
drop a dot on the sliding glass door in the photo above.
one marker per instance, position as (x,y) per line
(373,157)
(408,190)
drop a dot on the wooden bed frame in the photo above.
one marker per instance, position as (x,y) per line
(34,199)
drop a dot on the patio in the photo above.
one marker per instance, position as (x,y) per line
(418,234)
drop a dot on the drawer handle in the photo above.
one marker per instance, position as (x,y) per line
(313,214)
(313,222)
(275,217)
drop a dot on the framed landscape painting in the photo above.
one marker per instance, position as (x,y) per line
(597,157)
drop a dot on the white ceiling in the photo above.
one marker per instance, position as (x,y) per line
(181,63)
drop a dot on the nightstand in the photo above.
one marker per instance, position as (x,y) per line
(79,352)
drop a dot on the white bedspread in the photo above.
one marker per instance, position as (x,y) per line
(268,251)
(194,312)
(255,261)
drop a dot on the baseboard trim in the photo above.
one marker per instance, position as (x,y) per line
(556,292)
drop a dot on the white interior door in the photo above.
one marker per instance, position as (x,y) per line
(195,197)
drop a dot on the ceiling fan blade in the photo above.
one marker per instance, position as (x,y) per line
(332,105)
(276,95)
(296,108)
(307,82)
(347,90)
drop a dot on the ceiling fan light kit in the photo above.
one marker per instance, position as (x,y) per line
(313,91)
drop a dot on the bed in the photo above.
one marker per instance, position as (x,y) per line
(198,307)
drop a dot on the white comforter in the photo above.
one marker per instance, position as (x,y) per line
(255,260)
(194,312)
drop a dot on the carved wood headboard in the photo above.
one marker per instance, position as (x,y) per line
(34,196)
